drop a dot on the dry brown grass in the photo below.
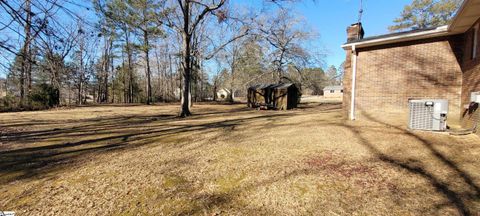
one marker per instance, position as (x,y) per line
(230,160)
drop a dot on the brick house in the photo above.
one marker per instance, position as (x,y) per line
(384,72)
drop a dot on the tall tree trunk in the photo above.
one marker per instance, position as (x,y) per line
(280,66)
(79,96)
(215,90)
(112,67)
(82,74)
(187,64)
(172,80)
(202,92)
(124,78)
(69,93)
(26,73)
(106,69)
(231,96)
(130,68)
(164,86)
(28,39)
(160,78)
(195,83)
(147,60)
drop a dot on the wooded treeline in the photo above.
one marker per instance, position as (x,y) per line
(62,52)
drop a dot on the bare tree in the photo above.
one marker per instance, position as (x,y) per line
(84,58)
(185,19)
(55,48)
(21,14)
(285,34)
(239,25)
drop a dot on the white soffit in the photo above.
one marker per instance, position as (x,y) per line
(466,16)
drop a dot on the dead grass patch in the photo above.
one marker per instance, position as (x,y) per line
(230,160)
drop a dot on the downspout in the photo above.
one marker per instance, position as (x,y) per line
(354,77)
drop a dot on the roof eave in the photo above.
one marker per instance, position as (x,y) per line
(466,16)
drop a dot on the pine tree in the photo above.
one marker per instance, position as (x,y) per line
(422,14)
(144,16)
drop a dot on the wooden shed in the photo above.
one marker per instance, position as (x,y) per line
(281,96)
(257,96)
(285,96)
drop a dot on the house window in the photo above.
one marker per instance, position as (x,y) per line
(332,91)
(475,42)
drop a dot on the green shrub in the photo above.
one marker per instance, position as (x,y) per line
(9,103)
(44,96)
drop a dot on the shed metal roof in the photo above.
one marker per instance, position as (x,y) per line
(259,86)
(277,86)
(281,85)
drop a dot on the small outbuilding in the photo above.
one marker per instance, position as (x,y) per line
(285,96)
(333,91)
(223,94)
(256,95)
(281,96)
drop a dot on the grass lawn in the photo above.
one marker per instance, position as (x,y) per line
(229,160)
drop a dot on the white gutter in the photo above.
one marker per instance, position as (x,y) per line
(439,31)
(354,79)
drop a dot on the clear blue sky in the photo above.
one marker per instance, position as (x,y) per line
(331,18)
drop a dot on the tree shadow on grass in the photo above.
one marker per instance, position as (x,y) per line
(97,126)
(39,161)
(456,198)
(123,133)
(460,199)
(460,189)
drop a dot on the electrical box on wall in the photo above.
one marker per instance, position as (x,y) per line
(475,97)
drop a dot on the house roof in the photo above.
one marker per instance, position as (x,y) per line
(396,34)
(465,17)
(328,88)
(224,90)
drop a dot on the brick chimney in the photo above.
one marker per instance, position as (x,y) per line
(355,32)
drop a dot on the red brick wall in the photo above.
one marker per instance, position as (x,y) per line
(389,75)
(471,82)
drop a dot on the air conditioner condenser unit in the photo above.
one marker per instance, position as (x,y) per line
(428,114)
